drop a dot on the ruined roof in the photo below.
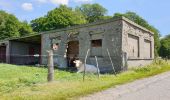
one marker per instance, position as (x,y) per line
(21,38)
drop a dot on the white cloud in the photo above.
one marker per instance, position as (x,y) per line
(59,2)
(27,6)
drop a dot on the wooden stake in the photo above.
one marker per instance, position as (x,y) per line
(84,73)
(50,76)
(97,65)
(111,61)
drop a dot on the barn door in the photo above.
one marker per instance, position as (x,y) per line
(2,54)
(72,52)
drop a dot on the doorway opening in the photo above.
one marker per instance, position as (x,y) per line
(2,54)
(72,52)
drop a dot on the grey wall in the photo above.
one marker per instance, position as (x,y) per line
(114,34)
(108,31)
(144,48)
(138,63)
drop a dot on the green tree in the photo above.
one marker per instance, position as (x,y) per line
(165,47)
(139,20)
(39,24)
(92,12)
(25,29)
(10,26)
(58,18)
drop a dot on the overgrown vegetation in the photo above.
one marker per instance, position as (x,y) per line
(93,12)
(60,17)
(10,26)
(165,47)
(21,82)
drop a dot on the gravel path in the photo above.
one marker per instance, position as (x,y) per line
(152,88)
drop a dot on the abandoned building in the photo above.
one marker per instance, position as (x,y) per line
(21,51)
(128,44)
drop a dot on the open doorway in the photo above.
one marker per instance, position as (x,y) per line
(2,54)
(72,52)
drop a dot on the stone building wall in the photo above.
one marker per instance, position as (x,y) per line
(109,32)
(141,36)
(122,37)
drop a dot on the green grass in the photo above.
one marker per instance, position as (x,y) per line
(29,83)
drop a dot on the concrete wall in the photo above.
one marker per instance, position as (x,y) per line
(139,63)
(60,54)
(19,50)
(146,51)
(110,33)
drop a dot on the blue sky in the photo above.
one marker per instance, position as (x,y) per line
(156,12)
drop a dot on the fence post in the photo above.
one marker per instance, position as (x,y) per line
(125,61)
(50,76)
(97,65)
(111,61)
(84,73)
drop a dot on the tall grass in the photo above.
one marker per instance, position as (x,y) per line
(21,82)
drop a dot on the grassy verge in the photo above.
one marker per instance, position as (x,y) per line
(29,83)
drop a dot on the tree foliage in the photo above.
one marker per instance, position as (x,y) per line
(165,47)
(25,29)
(93,12)
(139,20)
(10,26)
(58,18)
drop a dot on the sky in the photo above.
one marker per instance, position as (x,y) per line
(156,12)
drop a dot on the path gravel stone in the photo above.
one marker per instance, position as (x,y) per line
(152,88)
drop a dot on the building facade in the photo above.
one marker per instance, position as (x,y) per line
(127,43)
(21,51)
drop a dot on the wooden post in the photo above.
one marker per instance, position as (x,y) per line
(97,65)
(111,61)
(85,60)
(125,61)
(50,76)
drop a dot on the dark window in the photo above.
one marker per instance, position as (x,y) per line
(96,43)
(96,47)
